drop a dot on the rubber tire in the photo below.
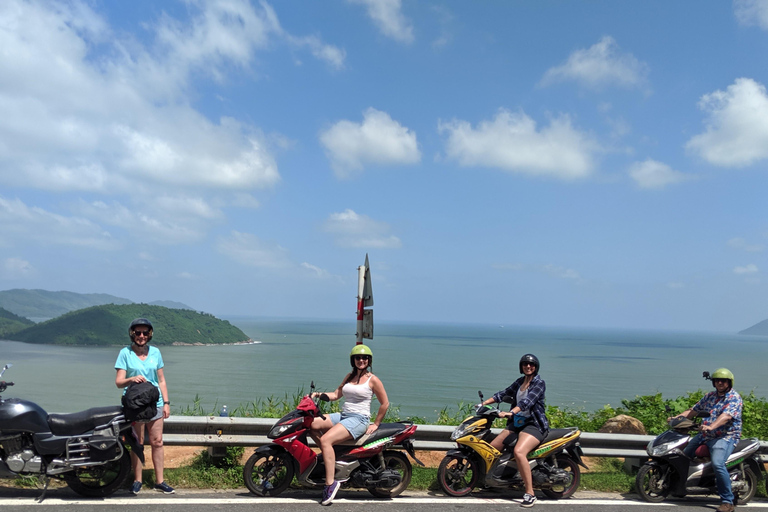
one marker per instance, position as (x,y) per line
(751,478)
(116,473)
(397,461)
(259,464)
(452,484)
(651,471)
(567,463)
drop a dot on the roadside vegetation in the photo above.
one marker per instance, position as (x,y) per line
(604,475)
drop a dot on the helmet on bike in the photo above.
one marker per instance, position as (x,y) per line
(530,358)
(722,373)
(360,350)
(137,322)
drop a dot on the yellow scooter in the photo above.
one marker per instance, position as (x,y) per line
(554,462)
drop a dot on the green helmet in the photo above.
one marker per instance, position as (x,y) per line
(722,373)
(360,350)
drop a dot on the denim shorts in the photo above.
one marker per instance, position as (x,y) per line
(356,424)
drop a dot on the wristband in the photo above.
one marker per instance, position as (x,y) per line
(166,403)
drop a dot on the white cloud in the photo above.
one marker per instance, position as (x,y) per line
(601,65)
(378,140)
(549,269)
(360,231)
(388,17)
(746,269)
(653,174)
(20,224)
(15,268)
(85,108)
(164,219)
(752,12)
(316,271)
(742,245)
(247,249)
(512,142)
(737,126)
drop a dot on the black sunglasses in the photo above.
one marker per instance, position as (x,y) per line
(141,333)
(361,358)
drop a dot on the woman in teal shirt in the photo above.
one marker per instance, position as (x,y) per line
(140,363)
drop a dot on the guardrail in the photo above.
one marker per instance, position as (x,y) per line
(226,431)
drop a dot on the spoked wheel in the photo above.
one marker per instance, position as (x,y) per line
(457,475)
(399,462)
(745,496)
(100,481)
(651,484)
(268,474)
(566,463)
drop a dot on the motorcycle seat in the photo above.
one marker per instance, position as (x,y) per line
(702,452)
(72,424)
(384,430)
(556,433)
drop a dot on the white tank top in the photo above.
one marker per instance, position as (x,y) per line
(357,398)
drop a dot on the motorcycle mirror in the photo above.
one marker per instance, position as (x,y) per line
(312,385)
(324,397)
(706,375)
(8,365)
(480,394)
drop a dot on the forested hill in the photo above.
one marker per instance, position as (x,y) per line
(10,323)
(108,325)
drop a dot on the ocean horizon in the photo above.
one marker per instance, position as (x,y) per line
(425,367)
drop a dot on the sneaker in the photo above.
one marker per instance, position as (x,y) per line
(528,500)
(726,507)
(329,492)
(136,487)
(164,488)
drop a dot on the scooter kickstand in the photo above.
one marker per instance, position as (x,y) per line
(47,480)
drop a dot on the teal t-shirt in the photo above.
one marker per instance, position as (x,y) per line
(128,360)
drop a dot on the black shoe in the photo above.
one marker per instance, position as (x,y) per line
(528,500)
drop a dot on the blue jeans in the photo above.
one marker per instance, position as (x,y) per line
(719,451)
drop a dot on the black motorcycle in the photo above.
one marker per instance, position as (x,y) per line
(85,449)
(669,472)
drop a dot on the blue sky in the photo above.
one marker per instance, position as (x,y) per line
(599,164)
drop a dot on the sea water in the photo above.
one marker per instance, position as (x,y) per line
(424,367)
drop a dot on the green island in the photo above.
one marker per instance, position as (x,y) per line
(108,325)
(10,323)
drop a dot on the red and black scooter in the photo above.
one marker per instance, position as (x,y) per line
(368,463)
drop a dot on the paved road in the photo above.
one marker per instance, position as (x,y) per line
(239,500)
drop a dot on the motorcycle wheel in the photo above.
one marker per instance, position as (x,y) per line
(751,479)
(568,464)
(268,474)
(400,463)
(650,484)
(100,481)
(457,475)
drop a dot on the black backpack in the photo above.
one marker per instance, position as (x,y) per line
(140,401)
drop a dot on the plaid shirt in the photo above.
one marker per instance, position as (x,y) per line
(534,402)
(716,405)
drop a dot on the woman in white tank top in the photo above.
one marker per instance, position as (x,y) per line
(357,388)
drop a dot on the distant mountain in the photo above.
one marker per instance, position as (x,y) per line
(170,304)
(43,304)
(108,325)
(10,323)
(759,329)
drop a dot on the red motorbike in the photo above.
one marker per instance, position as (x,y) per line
(369,463)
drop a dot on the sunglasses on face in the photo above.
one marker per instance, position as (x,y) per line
(141,333)
(529,364)
(361,358)
(720,381)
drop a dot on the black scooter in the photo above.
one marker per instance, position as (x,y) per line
(86,449)
(670,472)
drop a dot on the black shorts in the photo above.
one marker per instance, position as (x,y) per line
(530,429)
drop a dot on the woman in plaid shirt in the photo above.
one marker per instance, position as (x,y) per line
(526,419)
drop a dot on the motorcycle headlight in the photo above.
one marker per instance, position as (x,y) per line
(664,448)
(461,431)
